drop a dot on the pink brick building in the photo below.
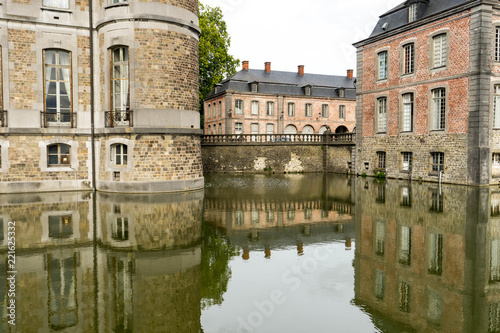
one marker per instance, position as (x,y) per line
(427,93)
(275,102)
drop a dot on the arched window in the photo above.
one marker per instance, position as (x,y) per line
(57,87)
(58,155)
(119,154)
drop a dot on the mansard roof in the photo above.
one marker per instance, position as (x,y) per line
(288,83)
(397,17)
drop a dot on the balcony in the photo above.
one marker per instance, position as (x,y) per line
(58,119)
(119,118)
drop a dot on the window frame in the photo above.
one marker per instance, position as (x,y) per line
(342,112)
(291,109)
(495,116)
(496,41)
(254,111)
(442,125)
(381,160)
(406,155)
(59,154)
(325,111)
(378,113)
(123,155)
(270,108)
(413,12)
(445,50)
(437,162)
(308,108)
(404,110)
(408,60)
(238,106)
(110,165)
(236,125)
(379,66)
(120,113)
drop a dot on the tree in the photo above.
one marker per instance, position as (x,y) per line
(215,61)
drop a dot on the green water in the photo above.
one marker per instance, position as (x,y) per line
(281,253)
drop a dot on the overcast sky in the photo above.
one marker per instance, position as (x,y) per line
(315,33)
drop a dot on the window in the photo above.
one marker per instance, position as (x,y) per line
(408,58)
(412,12)
(57,87)
(208,111)
(324,110)
(220,128)
(255,108)
(254,129)
(308,110)
(307,90)
(341,92)
(58,155)
(405,196)
(254,87)
(494,317)
(495,164)
(440,51)
(291,109)
(270,108)
(382,115)
(119,154)
(63,4)
(495,204)
(382,65)
(497,44)
(435,254)
(405,245)
(379,284)
(239,217)
(270,128)
(496,106)
(380,238)
(341,111)
(407,112)
(119,229)
(437,162)
(437,202)
(112,2)
(381,159)
(404,296)
(380,193)
(238,128)
(220,108)
(120,85)
(60,226)
(494,261)
(406,161)
(238,106)
(439,109)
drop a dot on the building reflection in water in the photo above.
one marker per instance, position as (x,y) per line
(147,245)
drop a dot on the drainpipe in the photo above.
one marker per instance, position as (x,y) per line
(92,129)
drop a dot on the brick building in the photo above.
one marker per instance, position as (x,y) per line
(275,102)
(145,79)
(427,90)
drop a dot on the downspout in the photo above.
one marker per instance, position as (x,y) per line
(92,131)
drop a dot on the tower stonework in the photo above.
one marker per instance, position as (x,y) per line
(145,77)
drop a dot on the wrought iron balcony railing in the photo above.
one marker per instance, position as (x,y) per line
(58,119)
(119,118)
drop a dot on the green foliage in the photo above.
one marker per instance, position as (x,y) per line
(363,175)
(215,61)
(379,174)
(215,271)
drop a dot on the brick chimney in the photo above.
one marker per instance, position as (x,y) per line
(301,70)
(267,67)
(350,73)
(245,65)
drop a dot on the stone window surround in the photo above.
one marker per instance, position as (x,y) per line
(241,107)
(375,116)
(6,218)
(254,102)
(443,31)
(109,166)
(377,64)
(291,109)
(402,153)
(496,25)
(111,217)
(401,115)
(492,102)
(402,57)
(325,111)
(311,110)
(4,155)
(430,128)
(497,173)
(378,155)
(75,220)
(436,173)
(44,167)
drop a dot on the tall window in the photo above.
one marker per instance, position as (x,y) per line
(494,261)
(307,90)
(238,128)
(407,112)
(57,87)
(495,163)
(308,110)
(408,58)
(380,238)
(437,202)
(406,160)
(435,254)
(496,106)
(382,65)
(341,111)
(254,87)
(220,108)
(412,12)
(270,128)
(381,159)
(405,196)
(439,109)
(208,111)
(437,161)
(497,44)
(119,154)
(119,229)
(120,84)
(324,110)
(405,245)
(291,109)
(58,155)
(255,108)
(270,108)
(238,106)
(382,115)
(64,4)
(440,51)
(404,296)
(379,284)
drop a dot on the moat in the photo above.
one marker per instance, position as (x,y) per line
(256,253)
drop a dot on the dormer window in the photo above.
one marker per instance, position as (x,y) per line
(216,88)
(254,86)
(341,92)
(412,12)
(307,90)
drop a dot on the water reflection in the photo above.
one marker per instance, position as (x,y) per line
(420,257)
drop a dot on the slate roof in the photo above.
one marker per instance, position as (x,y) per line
(288,83)
(398,16)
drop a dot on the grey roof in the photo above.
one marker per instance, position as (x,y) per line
(398,16)
(288,83)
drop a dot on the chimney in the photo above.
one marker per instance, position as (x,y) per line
(245,65)
(301,70)
(350,73)
(268,67)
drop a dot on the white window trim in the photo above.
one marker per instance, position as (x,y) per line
(431,109)
(109,166)
(377,117)
(256,113)
(73,151)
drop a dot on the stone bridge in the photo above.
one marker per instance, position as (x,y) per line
(278,153)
